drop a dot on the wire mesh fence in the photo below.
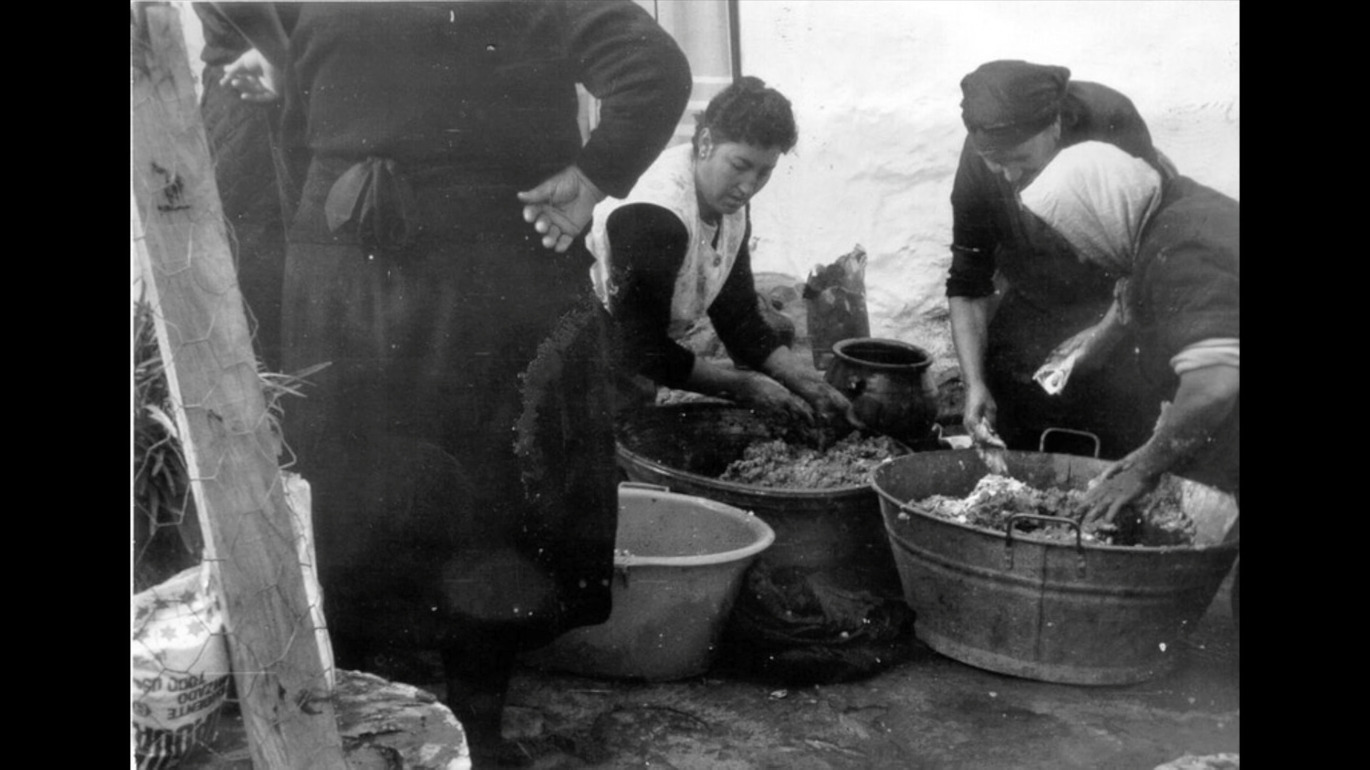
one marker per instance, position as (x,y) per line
(222,560)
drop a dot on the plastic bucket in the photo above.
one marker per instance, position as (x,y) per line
(1016,604)
(678,569)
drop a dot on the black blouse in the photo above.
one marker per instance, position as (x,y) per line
(649,245)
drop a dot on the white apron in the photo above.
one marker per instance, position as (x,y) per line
(669,183)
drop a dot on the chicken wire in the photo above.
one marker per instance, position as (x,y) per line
(259,546)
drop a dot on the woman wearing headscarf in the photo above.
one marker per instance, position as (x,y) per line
(1173,248)
(674,251)
(1010,300)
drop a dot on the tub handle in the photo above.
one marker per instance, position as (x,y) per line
(1042,443)
(1079,538)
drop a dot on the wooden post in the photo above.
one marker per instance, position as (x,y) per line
(231,451)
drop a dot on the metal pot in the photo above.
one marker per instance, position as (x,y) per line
(889,385)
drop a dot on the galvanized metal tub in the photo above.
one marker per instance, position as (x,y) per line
(685,447)
(1026,606)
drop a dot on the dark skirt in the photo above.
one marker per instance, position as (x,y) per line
(243,143)
(459,445)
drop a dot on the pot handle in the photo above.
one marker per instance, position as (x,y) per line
(1079,535)
(1042,443)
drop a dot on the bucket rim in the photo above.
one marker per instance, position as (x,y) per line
(762,531)
(890,505)
(814,493)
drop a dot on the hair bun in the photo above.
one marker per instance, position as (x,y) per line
(749,111)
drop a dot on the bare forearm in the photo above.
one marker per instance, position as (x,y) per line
(713,380)
(1202,402)
(969,330)
(782,366)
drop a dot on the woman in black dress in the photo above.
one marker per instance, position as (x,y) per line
(459,445)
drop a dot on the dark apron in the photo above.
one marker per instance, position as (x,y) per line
(460,444)
(1052,296)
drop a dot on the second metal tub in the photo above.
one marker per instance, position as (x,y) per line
(1020,605)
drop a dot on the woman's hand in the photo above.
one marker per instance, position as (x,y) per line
(821,399)
(561,207)
(836,417)
(827,402)
(1203,400)
(762,392)
(980,411)
(1121,483)
(253,77)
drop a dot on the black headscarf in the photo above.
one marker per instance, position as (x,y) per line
(1006,102)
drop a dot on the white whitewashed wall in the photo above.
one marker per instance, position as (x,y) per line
(875,85)
(876,90)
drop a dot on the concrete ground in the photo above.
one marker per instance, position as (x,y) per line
(927,713)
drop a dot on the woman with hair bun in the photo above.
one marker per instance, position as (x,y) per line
(675,250)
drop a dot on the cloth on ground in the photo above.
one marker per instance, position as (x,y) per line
(800,625)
